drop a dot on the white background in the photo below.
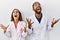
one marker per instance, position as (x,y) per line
(49,7)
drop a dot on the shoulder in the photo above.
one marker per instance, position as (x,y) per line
(47,18)
(10,22)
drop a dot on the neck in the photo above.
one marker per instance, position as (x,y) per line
(38,15)
(16,21)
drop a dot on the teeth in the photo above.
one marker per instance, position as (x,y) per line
(38,10)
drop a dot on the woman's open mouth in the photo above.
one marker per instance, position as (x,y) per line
(15,15)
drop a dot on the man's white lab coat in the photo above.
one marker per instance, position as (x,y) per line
(39,31)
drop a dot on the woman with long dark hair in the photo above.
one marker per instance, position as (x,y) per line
(16,29)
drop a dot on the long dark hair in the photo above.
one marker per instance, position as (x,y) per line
(20,16)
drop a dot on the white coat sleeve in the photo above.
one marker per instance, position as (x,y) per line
(24,34)
(49,25)
(29,31)
(8,31)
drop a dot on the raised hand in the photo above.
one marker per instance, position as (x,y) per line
(3,27)
(29,23)
(54,21)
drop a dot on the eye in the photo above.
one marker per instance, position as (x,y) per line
(13,12)
(17,12)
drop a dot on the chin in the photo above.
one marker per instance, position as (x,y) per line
(15,18)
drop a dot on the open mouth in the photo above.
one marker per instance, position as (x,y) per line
(38,10)
(15,15)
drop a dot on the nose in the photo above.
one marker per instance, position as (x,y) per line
(38,6)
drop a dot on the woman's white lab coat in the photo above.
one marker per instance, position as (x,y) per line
(39,31)
(15,34)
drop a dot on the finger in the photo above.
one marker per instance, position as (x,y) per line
(27,19)
(8,26)
(57,20)
(1,25)
(24,27)
(32,22)
(53,19)
(24,30)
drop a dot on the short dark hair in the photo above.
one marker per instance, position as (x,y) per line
(20,16)
(35,3)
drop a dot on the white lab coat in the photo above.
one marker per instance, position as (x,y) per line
(13,33)
(39,31)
